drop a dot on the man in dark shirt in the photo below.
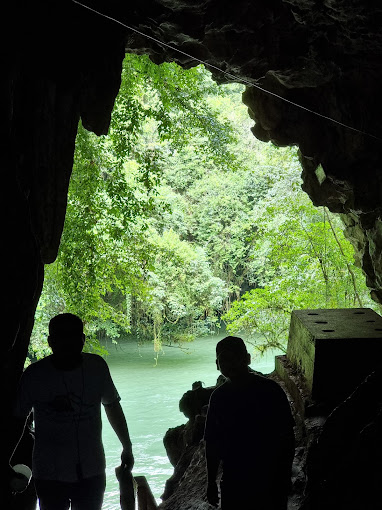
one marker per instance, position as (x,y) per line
(249,429)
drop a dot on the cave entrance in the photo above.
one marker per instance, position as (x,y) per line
(180,222)
(323,57)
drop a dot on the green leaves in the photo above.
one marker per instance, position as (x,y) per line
(181,285)
(300,259)
(107,249)
(179,212)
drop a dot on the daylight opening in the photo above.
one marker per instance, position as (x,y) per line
(182,226)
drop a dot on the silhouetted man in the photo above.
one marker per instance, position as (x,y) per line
(65,391)
(249,429)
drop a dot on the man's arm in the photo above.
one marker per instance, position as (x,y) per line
(117,420)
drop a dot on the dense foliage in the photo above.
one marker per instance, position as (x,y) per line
(180,216)
(302,260)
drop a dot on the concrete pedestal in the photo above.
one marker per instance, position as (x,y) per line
(334,350)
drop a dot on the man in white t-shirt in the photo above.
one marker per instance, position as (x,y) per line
(65,391)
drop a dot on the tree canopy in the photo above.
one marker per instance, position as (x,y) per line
(301,260)
(179,217)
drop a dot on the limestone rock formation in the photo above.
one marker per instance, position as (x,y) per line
(343,464)
(183,443)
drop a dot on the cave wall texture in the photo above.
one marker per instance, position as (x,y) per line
(61,62)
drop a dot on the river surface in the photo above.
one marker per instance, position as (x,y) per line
(150,394)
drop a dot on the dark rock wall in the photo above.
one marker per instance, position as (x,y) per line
(61,62)
(343,466)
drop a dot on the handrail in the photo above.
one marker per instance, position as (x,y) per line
(145,498)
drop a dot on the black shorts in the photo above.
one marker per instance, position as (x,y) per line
(86,494)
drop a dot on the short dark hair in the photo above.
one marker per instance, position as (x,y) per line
(233,344)
(66,324)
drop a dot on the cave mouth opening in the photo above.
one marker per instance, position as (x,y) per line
(349,162)
(163,111)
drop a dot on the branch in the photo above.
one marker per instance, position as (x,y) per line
(343,254)
(322,265)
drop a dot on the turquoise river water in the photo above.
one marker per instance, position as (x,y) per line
(150,395)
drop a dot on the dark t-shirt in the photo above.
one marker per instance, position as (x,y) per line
(252,427)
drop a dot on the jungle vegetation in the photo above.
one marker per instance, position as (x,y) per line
(179,221)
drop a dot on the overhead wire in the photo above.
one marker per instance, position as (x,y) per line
(227,74)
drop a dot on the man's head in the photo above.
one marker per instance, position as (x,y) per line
(232,357)
(66,335)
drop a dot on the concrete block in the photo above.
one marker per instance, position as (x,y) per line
(334,349)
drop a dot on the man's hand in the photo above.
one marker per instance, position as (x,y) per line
(127,458)
(212,494)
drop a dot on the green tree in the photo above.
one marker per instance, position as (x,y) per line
(301,259)
(179,211)
(212,206)
(181,291)
(113,191)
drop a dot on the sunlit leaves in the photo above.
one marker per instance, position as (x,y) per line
(182,287)
(179,210)
(300,259)
(105,249)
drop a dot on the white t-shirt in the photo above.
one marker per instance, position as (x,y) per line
(67,416)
